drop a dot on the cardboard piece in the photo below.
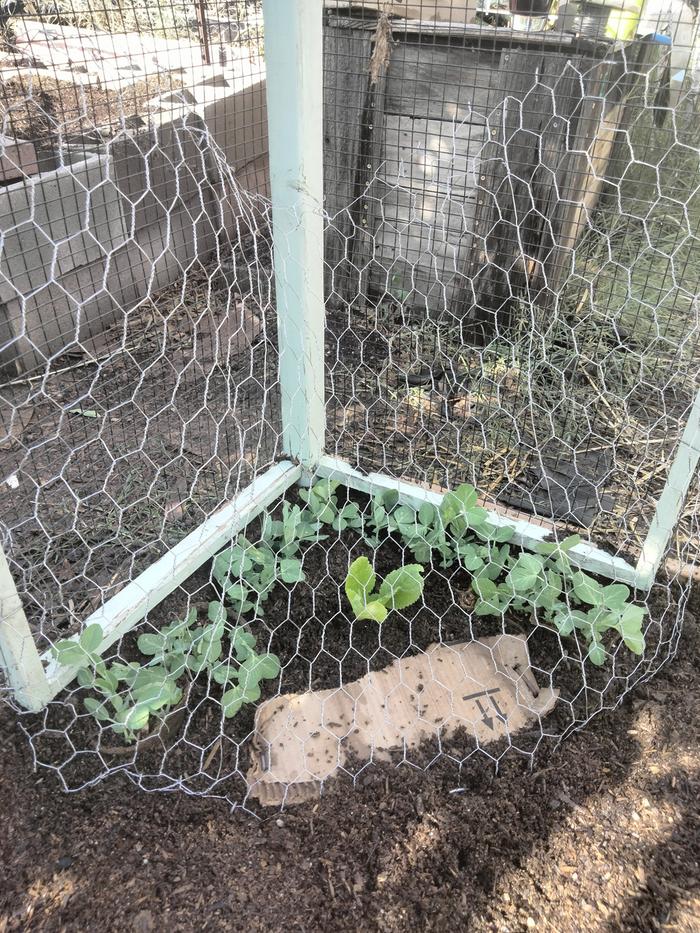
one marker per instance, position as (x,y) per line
(486,687)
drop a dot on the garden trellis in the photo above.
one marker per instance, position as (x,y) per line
(415,254)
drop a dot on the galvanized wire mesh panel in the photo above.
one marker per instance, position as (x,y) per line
(511,342)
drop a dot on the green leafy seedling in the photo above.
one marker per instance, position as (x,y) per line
(399,589)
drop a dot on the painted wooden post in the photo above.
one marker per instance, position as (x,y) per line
(294,61)
(668,508)
(19,657)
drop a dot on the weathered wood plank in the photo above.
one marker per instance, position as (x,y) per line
(421,239)
(19,657)
(369,167)
(422,210)
(540,175)
(443,82)
(433,154)
(504,196)
(472,33)
(346,55)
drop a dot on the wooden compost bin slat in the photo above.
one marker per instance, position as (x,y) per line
(479,159)
(345,99)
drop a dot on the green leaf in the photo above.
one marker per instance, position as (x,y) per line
(256,668)
(630,627)
(125,672)
(231,701)
(136,717)
(372,610)
(427,514)
(151,644)
(402,587)
(484,588)
(291,570)
(405,515)
(462,499)
(615,595)
(470,556)
(550,592)
(225,673)
(388,499)
(107,683)
(97,708)
(70,653)
(237,593)
(233,562)
(596,654)
(587,589)
(360,581)
(498,534)
(157,695)
(243,643)
(525,573)
(216,612)
(348,517)
(91,638)
(421,551)
(484,608)
(564,621)
(251,692)
(85,677)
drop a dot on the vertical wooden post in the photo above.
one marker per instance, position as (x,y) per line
(19,657)
(294,63)
(668,508)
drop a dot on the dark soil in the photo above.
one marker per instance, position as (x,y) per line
(602,835)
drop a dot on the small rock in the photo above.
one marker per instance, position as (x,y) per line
(64,862)
(531,924)
(279,823)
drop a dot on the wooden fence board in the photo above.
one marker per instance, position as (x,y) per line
(346,83)
(443,82)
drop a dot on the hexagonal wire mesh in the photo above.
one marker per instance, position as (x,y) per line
(511,301)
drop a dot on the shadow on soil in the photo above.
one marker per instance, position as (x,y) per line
(603,834)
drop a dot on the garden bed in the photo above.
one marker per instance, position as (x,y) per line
(310,638)
(604,832)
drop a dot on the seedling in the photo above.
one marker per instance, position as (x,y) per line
(133,693)
(400,589)
(543,584)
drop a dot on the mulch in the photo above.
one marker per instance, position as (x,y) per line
(602,834)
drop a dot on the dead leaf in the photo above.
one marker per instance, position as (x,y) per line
(174,511)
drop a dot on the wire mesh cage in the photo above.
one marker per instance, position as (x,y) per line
(350,398)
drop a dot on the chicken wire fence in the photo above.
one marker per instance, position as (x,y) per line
(273,513)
